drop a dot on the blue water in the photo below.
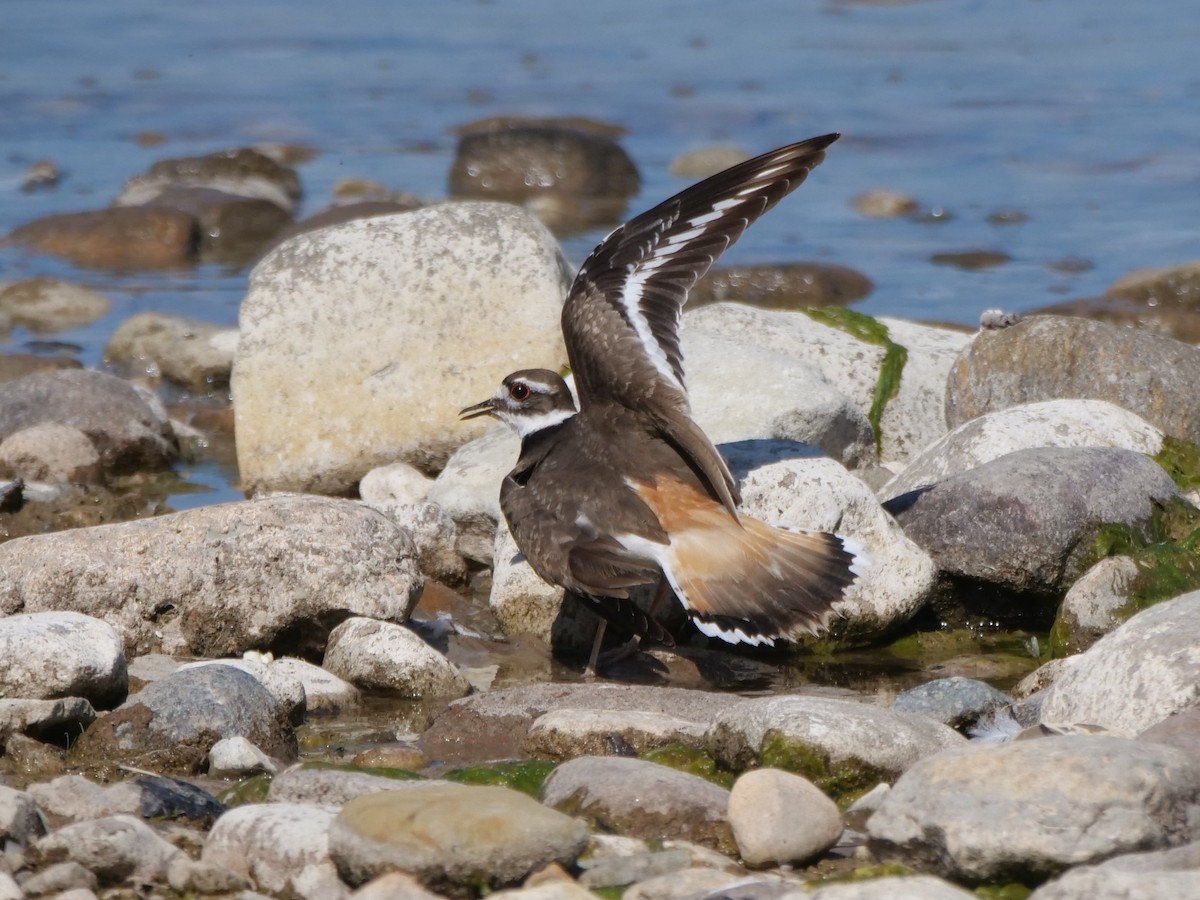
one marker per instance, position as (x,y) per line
(1084,117)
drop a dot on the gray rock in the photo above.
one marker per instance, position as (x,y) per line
(642,799)
(54,453)
(62,654)
(383,656)
(115,849)
(288,691)
(1135,676)
(956,701)
(1181,730)
(129,432)
(1022,523)
(434,534)
(243,172)
(10,890)
(468,489)
(172,724)
(567,733)
(329,787)
(281,847)
(1029,809)
(698,881)
(76,799)
(322,391)
(19,820)
(222,579)
(191,352)
(324,692)
(522,602)
(1049,357)
(45,718)
(396,886)
(854,742)
(194,876)
(1050,423)
(452,836)
(618,871)
(493,725)
(1096,604)
(1131,876)
(778,817)
(235,757)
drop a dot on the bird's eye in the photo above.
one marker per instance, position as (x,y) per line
(519,391)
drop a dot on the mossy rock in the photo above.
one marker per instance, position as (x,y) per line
(525,775)
(382,771)
(844,781)
(692,761)
(247,790)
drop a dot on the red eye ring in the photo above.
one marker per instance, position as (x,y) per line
(519,391)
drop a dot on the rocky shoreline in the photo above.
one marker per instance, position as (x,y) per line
(352,684)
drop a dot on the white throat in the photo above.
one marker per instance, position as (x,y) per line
(526,425)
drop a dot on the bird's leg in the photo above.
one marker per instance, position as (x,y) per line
(590,672)
(660,596)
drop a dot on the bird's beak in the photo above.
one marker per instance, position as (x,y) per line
(486,408)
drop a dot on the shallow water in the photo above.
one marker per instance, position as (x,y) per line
(1081,118)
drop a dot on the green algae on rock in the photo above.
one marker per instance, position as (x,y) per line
(525,775)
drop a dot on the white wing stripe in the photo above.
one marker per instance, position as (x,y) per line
(631,297)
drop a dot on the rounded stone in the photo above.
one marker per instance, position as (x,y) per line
(62,654)
(51,452)
(780,818)
(383,656)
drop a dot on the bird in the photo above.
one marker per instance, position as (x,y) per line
(625,490)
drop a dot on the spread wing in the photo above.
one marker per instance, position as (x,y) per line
(621,317)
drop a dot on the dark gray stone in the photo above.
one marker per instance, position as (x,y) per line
(958,702)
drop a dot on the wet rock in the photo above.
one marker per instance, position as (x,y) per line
(162,797)
(1096,604)
(695,165)
(1179,323)
(19,821)
(911,420)
(235,757)
(233,229)
(1148,374)
(60,878)
(792,286)
(452,836)
(116,238)
(1022,524)
(571,172)
(324,692)
(842,746)
(956,701)
(53,453)
(172,724)
(243,172)
(47,304)
(116,849)
(819,494)
(43,174)
(130,432)
(18,365)
(330,787)
(971,260)
(778,817)
(1035,807)
(46,719)
(278,572)
(351,295)
(62,654)
(193,353)
(1049,423)
(383,656)
(280,847)
(567,733)
(468,489)
(32,759)
(1135,676)
(642,799)
(884,203)
(1166,286)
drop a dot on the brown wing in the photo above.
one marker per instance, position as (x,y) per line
(621,317)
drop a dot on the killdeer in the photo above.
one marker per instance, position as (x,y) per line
(627,490)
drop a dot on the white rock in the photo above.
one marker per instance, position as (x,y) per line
(51,452)
(1050,423)
(1136,675)
(324,692)
(281,847)
(191,351)
(56,654)
(233,757)
(1093,604)
(19,819)
(10,890)
(522,601)
(468,489)
(394,483)
(568,733)
(384,656)
(778,817)
(908,887)
(819,494)
(285,688)
(325,386)
(396,886)
(77,799)
(435,535)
